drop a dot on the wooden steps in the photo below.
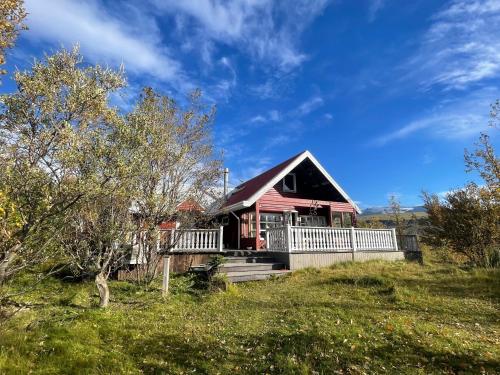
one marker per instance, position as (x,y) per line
(251,268)
(238,277)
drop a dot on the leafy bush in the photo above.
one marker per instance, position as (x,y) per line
(218,282)
(466,221)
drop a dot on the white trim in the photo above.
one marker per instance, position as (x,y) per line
(288,169)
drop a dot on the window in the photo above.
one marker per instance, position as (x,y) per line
(267,220)
(337,219)
(290,183)
(312,221)
(346,219)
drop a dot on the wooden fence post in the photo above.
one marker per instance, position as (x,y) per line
(221,232)
(394,239)
(166,275)
(353,242)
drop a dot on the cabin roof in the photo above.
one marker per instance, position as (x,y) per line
(247,193)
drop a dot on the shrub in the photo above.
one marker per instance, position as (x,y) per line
(466,221)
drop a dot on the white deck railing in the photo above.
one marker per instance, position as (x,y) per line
(298,239)
(179,240)
(195,239)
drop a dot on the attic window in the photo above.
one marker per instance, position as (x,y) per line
(290,183)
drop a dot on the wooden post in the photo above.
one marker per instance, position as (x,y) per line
(394,239)
(166,275)
(221,233)
(353,242)
(329,221)
(289,238)
(267,239)
(257,225)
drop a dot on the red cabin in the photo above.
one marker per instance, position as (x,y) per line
(299,192)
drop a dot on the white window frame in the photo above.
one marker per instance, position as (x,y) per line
(252,230)
(313,221)
(285,188)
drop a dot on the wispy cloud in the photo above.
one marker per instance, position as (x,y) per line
(303,109)
(461,47)
(224,86)
(310,105)
(104,38)
(275,115)
(250,25)
(452,119)
(251,167)
(374,8)
(258,118)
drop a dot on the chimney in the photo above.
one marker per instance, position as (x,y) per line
(226,181)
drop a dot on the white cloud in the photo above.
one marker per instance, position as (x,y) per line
(451,120)
(461,47)
(251,25)
(310,105)
(105,38)
(258,118)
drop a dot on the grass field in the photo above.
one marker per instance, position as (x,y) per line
(358,318)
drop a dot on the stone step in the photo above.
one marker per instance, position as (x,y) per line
(249,259)
(238,267)
(238,277)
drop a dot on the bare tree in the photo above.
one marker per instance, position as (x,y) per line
(174,163)
(397,215)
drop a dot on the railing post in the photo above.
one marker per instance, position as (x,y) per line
(289,238)
(353,242)
(221,229)
(394,239)
(172,244)
(267,239)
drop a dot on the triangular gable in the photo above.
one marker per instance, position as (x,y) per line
(249,192)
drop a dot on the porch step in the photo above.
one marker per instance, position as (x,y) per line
(238,277)
(243,266)
(247,267)
(249,259)
(251,267)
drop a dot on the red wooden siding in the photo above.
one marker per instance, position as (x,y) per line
(275,201)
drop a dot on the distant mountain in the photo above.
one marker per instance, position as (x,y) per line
(387,210)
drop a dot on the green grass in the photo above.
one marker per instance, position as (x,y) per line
(368,318)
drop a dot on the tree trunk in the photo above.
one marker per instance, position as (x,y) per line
(4,264)
(102,285)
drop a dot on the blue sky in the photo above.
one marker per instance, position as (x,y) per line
(385,93)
